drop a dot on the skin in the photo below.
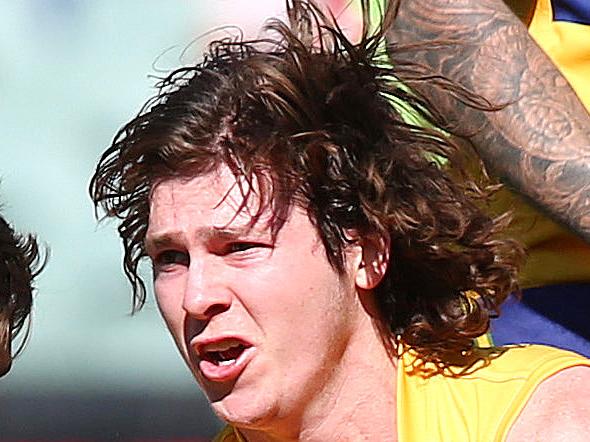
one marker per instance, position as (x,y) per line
(216,274)
(558,411)
(540,142)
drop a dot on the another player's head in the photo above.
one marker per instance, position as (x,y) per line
(19,264)
(285,203)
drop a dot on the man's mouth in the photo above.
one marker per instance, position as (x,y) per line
(224,359)
(224,352)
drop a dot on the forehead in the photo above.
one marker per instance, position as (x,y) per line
(218,199)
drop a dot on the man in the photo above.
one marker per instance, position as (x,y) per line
(19,264)
(322,265)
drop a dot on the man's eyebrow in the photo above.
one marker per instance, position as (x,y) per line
(232,232)
(158,241)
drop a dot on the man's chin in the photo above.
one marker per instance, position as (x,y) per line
(250,411)
(236,393)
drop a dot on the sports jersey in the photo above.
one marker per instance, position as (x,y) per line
(479,406)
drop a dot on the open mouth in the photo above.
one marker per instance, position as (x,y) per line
(223,353)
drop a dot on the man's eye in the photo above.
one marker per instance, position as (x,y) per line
(169,257)
(236,247)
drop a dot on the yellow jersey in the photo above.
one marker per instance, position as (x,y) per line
(480,406)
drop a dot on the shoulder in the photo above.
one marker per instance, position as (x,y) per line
(558,409)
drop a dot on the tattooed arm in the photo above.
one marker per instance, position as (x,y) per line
(540,142)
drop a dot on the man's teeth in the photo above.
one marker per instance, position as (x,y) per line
(223,353)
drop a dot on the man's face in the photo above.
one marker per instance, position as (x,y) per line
(263,324)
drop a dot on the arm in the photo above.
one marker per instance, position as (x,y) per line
(539,143)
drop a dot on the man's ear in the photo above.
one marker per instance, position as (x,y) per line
(372,266)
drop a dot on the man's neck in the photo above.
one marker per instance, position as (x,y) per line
(359,403)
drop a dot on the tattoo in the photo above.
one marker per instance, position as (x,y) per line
(539,141)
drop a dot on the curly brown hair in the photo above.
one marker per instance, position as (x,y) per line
(20,263)
(313,113)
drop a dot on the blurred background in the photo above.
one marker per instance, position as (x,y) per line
(72,72)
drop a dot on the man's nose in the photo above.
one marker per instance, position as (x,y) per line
(205,295)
